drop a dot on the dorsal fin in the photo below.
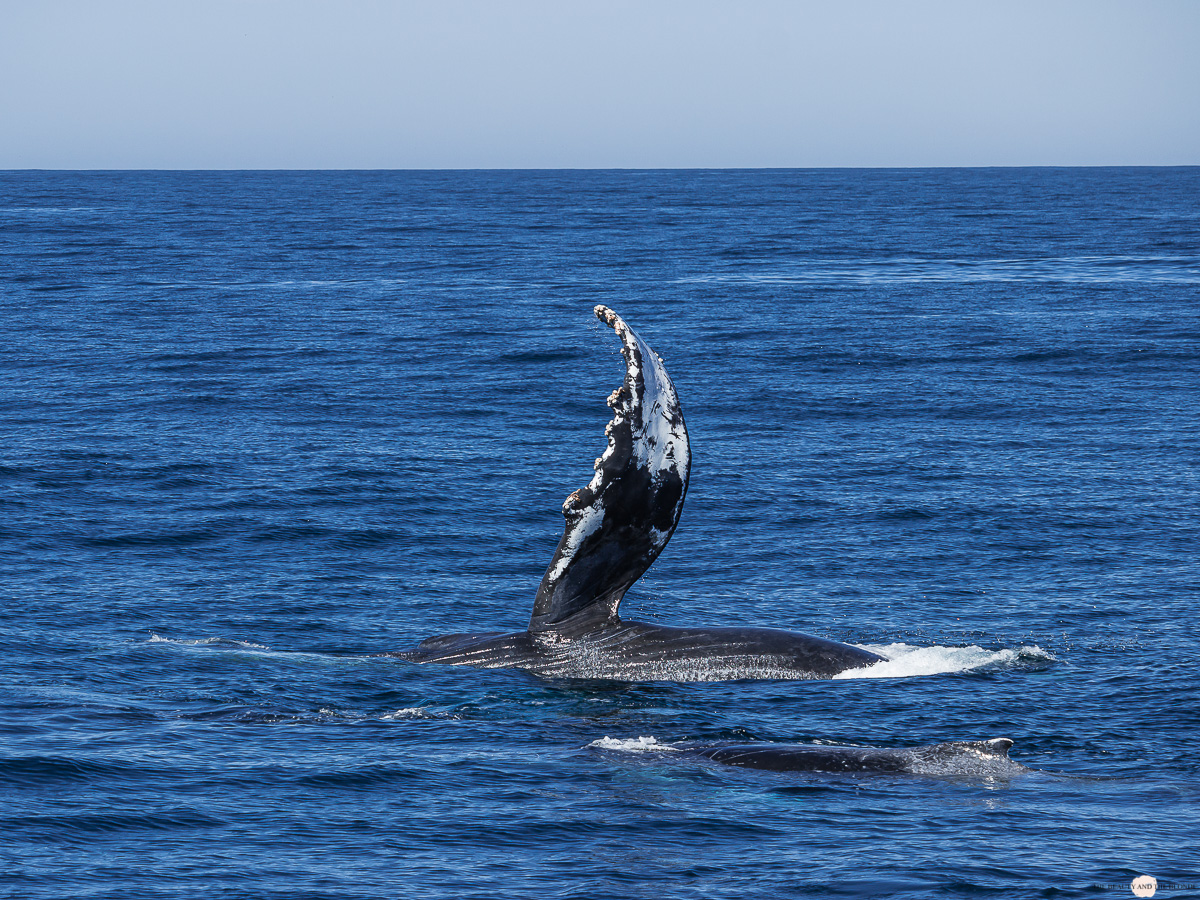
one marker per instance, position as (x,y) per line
(994,747)
(620,522)
(998,746)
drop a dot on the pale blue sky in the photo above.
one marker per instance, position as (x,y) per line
(655,83)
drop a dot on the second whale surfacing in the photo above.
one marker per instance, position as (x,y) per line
(616,527)
(950,758)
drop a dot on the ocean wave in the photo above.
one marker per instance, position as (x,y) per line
(416,712)
(1067,269)
(55,826)
(281,284)
(364,777)
(46,770)
(207,642)
(236,648)
(47,209)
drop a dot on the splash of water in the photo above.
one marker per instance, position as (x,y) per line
(632,745)
(907,661)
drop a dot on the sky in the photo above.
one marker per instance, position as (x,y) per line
(391,84)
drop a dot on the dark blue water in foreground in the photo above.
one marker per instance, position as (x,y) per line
(258,428)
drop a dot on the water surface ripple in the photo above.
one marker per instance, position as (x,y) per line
(263,427)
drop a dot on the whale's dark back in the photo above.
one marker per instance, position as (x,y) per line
(639,651)
(951,758)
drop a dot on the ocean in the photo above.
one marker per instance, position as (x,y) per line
(261,428)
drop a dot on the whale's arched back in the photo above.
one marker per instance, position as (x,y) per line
(620,522)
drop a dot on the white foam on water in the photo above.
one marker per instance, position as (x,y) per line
(632,745)
(412,712)
(249,648)
(207,642)
(907,660)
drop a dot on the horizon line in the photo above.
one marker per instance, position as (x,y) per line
(283,169)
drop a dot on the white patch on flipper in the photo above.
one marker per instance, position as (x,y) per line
(660,436)
(659,445)
(587,523)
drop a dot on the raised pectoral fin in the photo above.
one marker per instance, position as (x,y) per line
(619,523)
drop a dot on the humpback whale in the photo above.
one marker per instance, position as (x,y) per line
(616,526)
(950,758)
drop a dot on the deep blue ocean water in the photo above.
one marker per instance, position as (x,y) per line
(259,428)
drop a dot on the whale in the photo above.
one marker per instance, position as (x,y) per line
(988,757)
(951,758)
(616,526)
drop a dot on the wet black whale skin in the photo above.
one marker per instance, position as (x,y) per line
(616,527)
